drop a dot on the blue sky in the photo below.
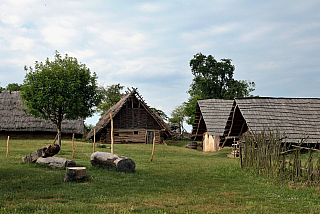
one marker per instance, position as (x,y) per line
(148,44)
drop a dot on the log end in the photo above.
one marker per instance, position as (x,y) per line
(75,173)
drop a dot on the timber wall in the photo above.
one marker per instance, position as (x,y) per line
(131,125)
(128,136)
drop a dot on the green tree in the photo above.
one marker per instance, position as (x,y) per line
(111,95)
(1,89)
(13,87)
(213,79)
(60,89)
(178,116)
(160,113)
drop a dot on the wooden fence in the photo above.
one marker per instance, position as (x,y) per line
(266,153)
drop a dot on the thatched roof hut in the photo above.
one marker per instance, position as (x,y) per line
(16,124)
(133,122)
(297,118)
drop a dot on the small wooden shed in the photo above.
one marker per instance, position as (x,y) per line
(133,122)
(297,118)
(210,121)
(17,125)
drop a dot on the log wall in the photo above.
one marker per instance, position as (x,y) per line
(131,125)
(121,136)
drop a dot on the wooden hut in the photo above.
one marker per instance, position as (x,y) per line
(133,122)
(210,121)
(297,118)
(17,125)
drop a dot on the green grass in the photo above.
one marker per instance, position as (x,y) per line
(178,180)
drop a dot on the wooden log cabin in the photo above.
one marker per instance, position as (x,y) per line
(17,125)
(133,122)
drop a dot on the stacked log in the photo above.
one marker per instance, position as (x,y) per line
(112,161)
(43,152)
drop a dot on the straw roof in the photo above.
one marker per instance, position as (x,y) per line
(12,118)
(105,118)
(296,117)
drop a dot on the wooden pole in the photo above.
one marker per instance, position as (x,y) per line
(55,139)
(8,146)
(111,133)
(73,145)
(94,138)
(153,146)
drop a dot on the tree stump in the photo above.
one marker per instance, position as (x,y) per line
(55,162)
(110,161)
(43,152)
(75,173)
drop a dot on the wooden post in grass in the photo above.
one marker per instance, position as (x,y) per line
(94,138)
(73,145)
(153,146)
(7,147)
(55,139)
(111,133)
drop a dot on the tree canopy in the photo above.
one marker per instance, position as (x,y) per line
(213,79)
(110,96)
(177,117)
(60,89)
(13,87)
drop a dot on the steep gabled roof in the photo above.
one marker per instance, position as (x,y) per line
(296,117)
(215,113)
(12,117)
(105,118)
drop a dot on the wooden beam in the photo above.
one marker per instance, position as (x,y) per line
(233,114)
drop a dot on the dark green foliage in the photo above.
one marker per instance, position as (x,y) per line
(60,89)
(13,87)
(111,95)
(213,79)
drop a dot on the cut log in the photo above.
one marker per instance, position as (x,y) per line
(110,161)
(55,162)
(75,173)
(43,152)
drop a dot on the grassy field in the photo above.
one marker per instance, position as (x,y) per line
(178,180)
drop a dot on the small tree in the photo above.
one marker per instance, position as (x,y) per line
(178,116)
(60,89)
(160,113)
(111,95)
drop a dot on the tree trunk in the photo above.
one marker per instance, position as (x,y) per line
(110,161)
(55,162)
(75,173)
(43,152)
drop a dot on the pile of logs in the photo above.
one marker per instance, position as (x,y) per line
(45,156)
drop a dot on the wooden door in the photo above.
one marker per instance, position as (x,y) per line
(150,136)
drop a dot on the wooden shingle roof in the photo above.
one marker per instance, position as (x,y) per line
(296,117)
(215,113)
(12,118)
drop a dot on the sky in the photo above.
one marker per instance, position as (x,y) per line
(149,44)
